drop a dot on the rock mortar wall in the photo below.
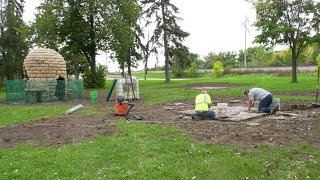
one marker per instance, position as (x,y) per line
(44,64)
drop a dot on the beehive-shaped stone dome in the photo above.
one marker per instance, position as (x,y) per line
(44,64)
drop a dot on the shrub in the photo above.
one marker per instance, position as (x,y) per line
(217,68)
(227,70)
(178,72)
(192,72)
(94,80)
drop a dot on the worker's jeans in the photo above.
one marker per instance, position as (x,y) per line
(265,104)
(205,114)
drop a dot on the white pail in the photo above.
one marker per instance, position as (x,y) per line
(222,110)
(275,101)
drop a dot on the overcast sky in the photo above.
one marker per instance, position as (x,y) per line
(214,25)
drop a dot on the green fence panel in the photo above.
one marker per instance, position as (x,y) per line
(44,91)
(74,90)
(15,90)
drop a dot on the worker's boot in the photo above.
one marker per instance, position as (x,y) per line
(197,118)
(274,109)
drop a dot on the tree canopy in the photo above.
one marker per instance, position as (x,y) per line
(87,26)
(166,28)
(294,23)
(13,39)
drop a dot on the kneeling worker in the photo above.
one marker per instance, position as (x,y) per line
(202,109)
(265,98)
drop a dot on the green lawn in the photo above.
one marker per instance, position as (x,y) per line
(150,75)
(172,92)
(11,114)
(141,151)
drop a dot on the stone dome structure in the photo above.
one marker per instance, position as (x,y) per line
(44,64)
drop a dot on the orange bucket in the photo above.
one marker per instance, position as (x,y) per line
(121,109)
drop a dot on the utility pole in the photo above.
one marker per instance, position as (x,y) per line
(245,24)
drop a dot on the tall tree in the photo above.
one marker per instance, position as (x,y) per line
(125,31)
(281,58)
(13,35)
(76,62)
(210,59)
(166,28)
(180,61)
(294,23)
(88,25)
(145,45)
(257,56)
(229,59)
(147,49)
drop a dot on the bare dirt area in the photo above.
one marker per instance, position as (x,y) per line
(212,86)
(55,131)
(295,93)
(296,122)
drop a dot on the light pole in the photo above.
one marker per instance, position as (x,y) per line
(245,24)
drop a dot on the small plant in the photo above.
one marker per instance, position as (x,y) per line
(218,68)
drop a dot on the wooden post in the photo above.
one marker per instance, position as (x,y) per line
(317,85)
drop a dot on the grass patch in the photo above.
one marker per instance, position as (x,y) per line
(141,151)
(12,114)
(2,95)
(172,91)
(150,75)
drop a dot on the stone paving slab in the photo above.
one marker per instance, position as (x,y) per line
(235,113)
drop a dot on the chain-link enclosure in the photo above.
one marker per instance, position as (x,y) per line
(31,91)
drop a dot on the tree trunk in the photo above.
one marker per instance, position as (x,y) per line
(165,44)
(146,67)
(10,76)
(93,66)
(92,45)
(130,76)
(122,69)
(294,66)
(1,81)
(92,57)
(146,59)
(167,67)
(77,75)
(129,63)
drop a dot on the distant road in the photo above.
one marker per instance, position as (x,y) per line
(270,69)
(265,69)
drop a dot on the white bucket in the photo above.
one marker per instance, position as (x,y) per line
(222,110)
(275,101)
